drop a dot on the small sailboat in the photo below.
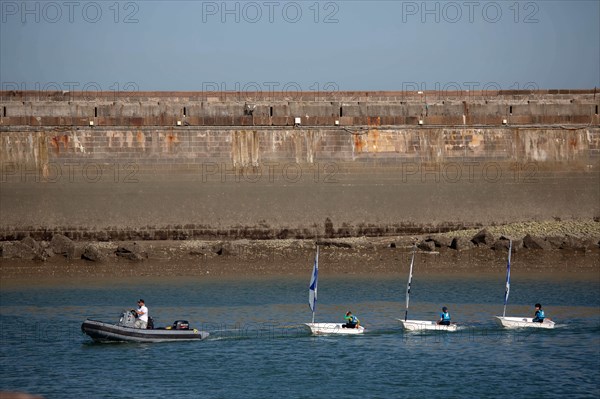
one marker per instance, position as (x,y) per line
(324,328)
(419,325)
(517,322)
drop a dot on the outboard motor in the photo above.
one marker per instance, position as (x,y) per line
(181,325)
(127,319)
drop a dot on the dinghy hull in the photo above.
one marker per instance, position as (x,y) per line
(425,325)
(523,322)
(333,328)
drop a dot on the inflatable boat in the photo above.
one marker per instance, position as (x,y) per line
(124,331)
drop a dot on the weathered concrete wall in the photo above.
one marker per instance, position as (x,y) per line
(373,174)
(163,149)
(314,109)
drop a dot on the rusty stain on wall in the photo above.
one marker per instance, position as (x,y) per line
(373,133)
(170,141)
(55,143)
(64,139)
(359,141)
(140,138)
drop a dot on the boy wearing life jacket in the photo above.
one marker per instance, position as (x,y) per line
(444,317)
(351,321)
(539,314)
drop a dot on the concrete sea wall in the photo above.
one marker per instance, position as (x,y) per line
(192,165)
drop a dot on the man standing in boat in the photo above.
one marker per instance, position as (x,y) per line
(539,314)
(351,321)
(444,317)
(142,315)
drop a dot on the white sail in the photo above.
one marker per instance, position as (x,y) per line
(312,289)
(507,290)
(410,273)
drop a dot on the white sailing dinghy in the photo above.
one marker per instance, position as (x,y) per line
(420,325)
(517,322)
(324,328)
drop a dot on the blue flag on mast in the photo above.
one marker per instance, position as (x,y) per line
(312,289)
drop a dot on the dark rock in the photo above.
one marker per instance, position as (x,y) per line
(62,245)
(92,252)
(555,242)
(517,244)
(8,250)
(33,244)
(18,250)
(233,248)
(222,251)
(130,256)
(426,246)
(502,244)
(532,242)
(575,244)
(441,241)
(204,250)
(38,252)
(461,244)
(484,237)
(131,252)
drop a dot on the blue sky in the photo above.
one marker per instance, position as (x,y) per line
(307,45)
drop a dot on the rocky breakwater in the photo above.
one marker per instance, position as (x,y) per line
(547,245)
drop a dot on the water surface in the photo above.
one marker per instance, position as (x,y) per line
(258,347)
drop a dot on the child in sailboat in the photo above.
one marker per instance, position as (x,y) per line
(351,321)
(539,314)
(444,317)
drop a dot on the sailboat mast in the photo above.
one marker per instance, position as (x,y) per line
(507,290)
(312,290)
(412,261)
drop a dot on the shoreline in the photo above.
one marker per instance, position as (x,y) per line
(549,247)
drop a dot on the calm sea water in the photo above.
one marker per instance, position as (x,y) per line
(258,348)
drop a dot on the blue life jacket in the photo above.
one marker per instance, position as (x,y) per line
(352,319)
(540,315)
(445,316)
